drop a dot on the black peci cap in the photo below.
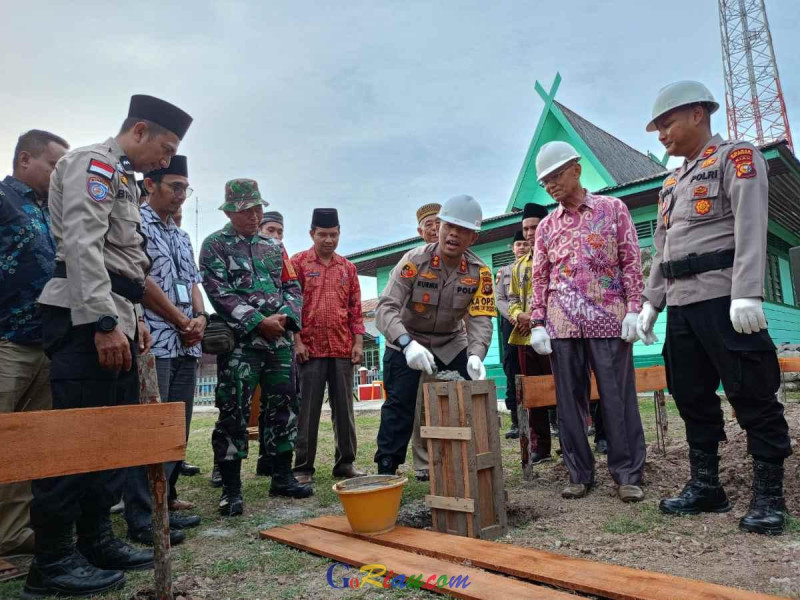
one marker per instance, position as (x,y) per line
(160,112)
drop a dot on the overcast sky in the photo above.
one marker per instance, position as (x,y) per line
(372,107)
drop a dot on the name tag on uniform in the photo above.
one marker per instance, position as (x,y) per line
(182,292)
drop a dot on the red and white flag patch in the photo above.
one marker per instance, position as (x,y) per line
(98,167)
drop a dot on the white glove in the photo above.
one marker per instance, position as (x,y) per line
(475,368)
(747,315)
(540,340)
(629,327)
(644,324)
(419,358)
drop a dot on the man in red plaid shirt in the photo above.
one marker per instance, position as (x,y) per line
(330,343)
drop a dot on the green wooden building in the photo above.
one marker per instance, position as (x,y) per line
(614,168)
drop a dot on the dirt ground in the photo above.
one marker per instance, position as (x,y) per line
(224,559)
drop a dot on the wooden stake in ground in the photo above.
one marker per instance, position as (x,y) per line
(148,394)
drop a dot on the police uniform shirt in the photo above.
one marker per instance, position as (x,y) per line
(421,301)
(716,202)
(502,289)
(94,208)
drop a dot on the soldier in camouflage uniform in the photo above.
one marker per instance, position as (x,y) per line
(251,284)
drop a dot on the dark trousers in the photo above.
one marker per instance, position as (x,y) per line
(397,412)
(176,382)
(702,349)
(530,364)
(611,359)
(78,381)
(337,374)
(510,368)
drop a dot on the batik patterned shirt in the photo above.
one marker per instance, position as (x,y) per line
(27,260)
(173,259)
(587,271)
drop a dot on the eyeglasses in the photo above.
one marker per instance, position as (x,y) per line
(556,176)
(180,190)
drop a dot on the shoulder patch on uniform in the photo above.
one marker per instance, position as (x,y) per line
(429,275)
(463,268)
(742,158)
(97,189)
(98,167)
(709,151)
(436,262)
(670,182)
(409,271)
(482,304)
(709,162)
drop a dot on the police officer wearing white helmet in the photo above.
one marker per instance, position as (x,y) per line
(711,251)
(421,313)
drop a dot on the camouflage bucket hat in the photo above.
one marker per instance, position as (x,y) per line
(241,194)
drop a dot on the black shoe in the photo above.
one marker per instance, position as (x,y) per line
(386,467)
(188,470)
(145,536)
(216,477)
(283,480)
(537,458)
(231,504)
(601,447)
(178,521)
(70,575)
(703,492)
(513,433)
(264,466)
(422,475)
(767,509)
(97,542)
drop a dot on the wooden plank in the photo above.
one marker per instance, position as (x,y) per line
(435,455)
(109,437)
(496,474)
(471,485)
(486,460)
(790,364)
(458,456)
(581,575)
(446,433)
(540,391)
(475,405)
(448,503)
(357,552)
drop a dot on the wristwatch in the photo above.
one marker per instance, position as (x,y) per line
(538,323)
(403,341)
(106,324)
(201,313)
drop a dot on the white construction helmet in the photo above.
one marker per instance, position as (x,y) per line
(681,93)
(552,156)
(462,210)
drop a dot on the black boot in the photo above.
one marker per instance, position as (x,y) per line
(386,466)
(97,542)
(216,476)
(703,492)
(264,466)
(513,433)
(283,480)
(59,570)
(767,510)
(231,504)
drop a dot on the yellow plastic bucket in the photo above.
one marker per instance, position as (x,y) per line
(371,503)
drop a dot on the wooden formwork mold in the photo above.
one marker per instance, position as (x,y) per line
(466,470)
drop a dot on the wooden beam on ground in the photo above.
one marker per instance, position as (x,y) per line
(580,575)
(63,442)
(446,433)
(358,553)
